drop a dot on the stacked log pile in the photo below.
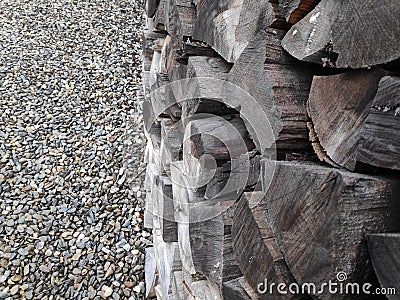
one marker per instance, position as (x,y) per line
(273,148)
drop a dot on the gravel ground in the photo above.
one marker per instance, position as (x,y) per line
(71,147)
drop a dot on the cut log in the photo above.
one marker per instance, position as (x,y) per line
(165,209)
(385,255)
(344,34)
(257,251)
(160,17)
(167,260)
(279,88)
(181,16)
(380,134)
(204,87)
(150,270)
(339,105)
(295,10)
(321,216)
(203,231)
(238,289)
(171,142)
(151,7)
(241,172)
(229,25)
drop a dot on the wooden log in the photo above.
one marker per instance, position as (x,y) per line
(150,270)
(204,87)
(223,138)
(279,86)
(295,10)
(380,134)
(238,289)
(258,253)
(384,249)
(151,7)
(229,25)
(160,17)
(181,16)
(167,260)
(320,36)
(226,180)
(171,142)
(194,48)
(338,123)
(165,209)
(204,229)
(321,216)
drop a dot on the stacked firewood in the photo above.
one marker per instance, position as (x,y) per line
(273,146)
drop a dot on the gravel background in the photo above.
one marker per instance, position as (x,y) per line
(71,147)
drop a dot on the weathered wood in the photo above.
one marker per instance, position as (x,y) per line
(234,176)
(229,25)
(338,106)
(160,17)
(171,142)
(194,48)
(238,289)
(279,88)
(257,251)
(151,7)
(204,87)
(345,34)
(295,10)
(204,229)
(181,16)
(385,255)
(380,134)
(150,270)
(165,209)
(223,138)
(167,262)
(321,215)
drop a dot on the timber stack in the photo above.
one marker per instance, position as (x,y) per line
(273,149)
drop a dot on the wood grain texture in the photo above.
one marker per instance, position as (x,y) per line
(258,253)
(180,21)
(380,134)
(338,107)
(321,216)
(229,25)
(384,249)
(295,10)
(345,34)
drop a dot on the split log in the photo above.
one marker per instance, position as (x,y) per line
(380,135)
(241,172)
(279,87)
(257,251)
(165,209)
(321,216)
(150,270)
(194,48)
(181,16)
(228,26)
(160,17)
(385,255)
(171,142)
(167,260)
(204,87)
(295,10)
(344,34)
(151,7)
(204,231)
(354,118)
(238,289)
